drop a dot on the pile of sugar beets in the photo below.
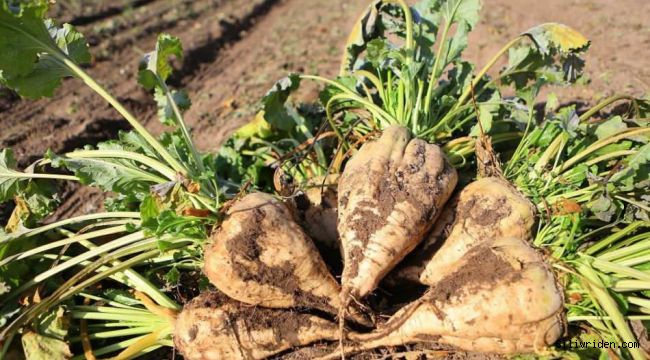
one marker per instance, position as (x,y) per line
(489,289)
(397,217)
(459,262)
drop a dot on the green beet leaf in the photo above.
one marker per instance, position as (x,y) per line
(9,185)
(35,54)
(155,67)
(274,101)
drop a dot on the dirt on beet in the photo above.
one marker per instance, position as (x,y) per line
(246,245)
(285,327)
(482,268)
(395,185)
(482,212)
(428,351)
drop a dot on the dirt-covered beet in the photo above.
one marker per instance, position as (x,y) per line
(213,326)
(488,208)
(261,256)
(407,273)
(503,299)
(390,194)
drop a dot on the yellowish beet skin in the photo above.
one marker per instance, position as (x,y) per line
(320,217)
(407,272)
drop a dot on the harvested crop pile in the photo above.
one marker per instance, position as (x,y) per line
(490,291)
(547,248)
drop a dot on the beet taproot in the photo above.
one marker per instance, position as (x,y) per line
(390,193)
(504,299)
(486,209)
(261,256)
(212,326)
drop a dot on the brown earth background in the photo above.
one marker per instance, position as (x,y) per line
(236,49)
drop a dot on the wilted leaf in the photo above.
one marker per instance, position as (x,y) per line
(557,36)
(39,347)
(20,213)
(257,127)
(55,323)
(641,333)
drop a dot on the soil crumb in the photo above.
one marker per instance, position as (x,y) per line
(482,268)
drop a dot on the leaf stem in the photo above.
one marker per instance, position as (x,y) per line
(23,175)
(408,19)
(434,70)
(353,96)
(600,144)
(612,99)
(160,149)
(485,69)
(122,154)
(181,124)
(616,236)
(606,318)
(610,307)
(69,221)
(608,156)
(143,343)
(620,270)
(70,240)
(141,283)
